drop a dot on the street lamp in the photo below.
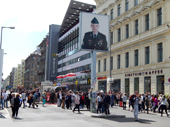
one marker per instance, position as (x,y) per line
(1,33)
(1,55)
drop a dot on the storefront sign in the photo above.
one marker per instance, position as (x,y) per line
(144,73)
(100,78)
(83,82)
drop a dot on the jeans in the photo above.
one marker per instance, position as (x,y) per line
(136,111)
(2,102)
(112,103)
(5,103)
(124,105)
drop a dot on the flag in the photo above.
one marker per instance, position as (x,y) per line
(47,41)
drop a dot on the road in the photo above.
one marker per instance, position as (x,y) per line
(51,115)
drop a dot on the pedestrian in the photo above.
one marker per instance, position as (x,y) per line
(169,103)
(23,98)
(112,98)
(143,102)
(39,95)
(87,101)
(52,97)
(5,97)
(10,96)
(131,102)
(67,100)
(147,104)
(30,99)
(155,103)
(43,98)
(124,101)
(81,100)
(163,106)
(140,103)
(12,105)
(106,103)
(17,104)
(99,103)
(77,102)
(136,104)
(35,97)
(63,100)
(2,100)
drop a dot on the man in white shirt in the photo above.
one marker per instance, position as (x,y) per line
(23,98)
(5,95)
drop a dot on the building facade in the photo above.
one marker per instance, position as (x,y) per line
(140,41)
(70,59)
(12,77)
(30,74)
(19,75)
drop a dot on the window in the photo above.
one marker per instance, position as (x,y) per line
(146,22)
(127,5)
(159,17)
(119,34)
(111,63)
(160,84)
(104,64)
(147,84)
(127,60)
(160,52)
(136,57)
(147,53)
(32,65)
(111,37)
(99,66)
(136,27)
(118,62)
(136,2)
(127,31)
(127,86)
(111,14)
(136,84)
(119,7)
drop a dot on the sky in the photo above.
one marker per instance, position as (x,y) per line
(31,19)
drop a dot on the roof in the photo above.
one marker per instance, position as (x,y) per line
(72,15)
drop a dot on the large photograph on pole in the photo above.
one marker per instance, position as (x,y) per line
(94,32)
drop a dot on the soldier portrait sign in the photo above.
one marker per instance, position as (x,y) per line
(94,32)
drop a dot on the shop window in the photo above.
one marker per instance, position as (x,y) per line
(136,84)
(127,86)
(147,84)
(160,84)
(115,86)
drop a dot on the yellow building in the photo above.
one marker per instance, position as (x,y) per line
(140,42)
(19,74)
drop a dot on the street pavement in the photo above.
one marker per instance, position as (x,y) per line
(51,115)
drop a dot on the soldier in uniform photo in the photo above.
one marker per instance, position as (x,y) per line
(94,39)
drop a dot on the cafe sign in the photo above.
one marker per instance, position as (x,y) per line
(144,73)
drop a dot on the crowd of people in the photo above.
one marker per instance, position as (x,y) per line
(81,100)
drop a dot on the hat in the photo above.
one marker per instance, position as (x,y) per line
(101,91)
(94,21)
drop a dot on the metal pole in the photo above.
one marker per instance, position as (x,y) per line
(93,82)
(1,37)
(110,59)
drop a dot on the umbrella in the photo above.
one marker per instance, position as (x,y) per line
(61,76)
(70,74)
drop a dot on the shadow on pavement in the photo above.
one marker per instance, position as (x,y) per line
(1,116)
(144,121)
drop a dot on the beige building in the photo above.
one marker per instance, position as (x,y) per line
(19,74)
(140,46)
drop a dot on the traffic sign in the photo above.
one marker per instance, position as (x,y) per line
(169,80)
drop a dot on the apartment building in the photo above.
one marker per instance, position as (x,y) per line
(140,41)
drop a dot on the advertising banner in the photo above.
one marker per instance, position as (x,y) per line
(94,32)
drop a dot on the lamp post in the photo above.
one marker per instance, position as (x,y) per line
(1,55)
(110,57)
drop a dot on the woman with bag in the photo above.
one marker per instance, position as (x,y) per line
(163,106)
(43,98)
(17,104)
(77,102)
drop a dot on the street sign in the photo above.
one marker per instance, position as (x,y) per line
(169,80)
